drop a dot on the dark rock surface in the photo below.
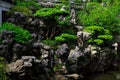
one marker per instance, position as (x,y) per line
(27,68)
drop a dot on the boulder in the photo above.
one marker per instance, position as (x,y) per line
(63,52)
(75,54)
(26,68)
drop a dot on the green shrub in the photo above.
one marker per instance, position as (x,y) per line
(65,2)
(64,22)
(65,37)
(99,35)
(22,9)
(106,37)
(49,12)
(98,15)
(49,42)
(21,35)
(29,4)
(96,41)
(68,36)
(60,39)
(69,31)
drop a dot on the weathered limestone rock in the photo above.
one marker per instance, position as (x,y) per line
(63,52)
(82,38)
(79,28)
(75,54)
(28,67)
(73,16)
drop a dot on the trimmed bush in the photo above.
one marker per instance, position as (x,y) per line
(21,35)
(49,12)
(65,37)
(28,4)
(99,35)
(49,42)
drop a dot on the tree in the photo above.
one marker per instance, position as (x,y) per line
(107,16)
(54,19)
(100,35)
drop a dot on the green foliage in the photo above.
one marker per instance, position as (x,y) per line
(60,39)
(22,9)
(69,31)
(68,36)
(21,35)
(64,1)
(99,35)
(94,29)
(28,4)
(3,75)
(77,1)
(108,1)
(64,22)
(57,67)
(97,15)
(49,42)
(106,37)
(96,0)
(49,12)
(65,37)
(52,20)
(96,41)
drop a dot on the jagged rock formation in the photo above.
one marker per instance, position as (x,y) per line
(27,68)
(86,58)
(63,52)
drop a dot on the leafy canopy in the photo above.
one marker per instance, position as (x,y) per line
(49,42)
(65,37)
(96,14)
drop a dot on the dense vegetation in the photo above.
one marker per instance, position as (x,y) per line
(20,35)
(101,15)
(100,35)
